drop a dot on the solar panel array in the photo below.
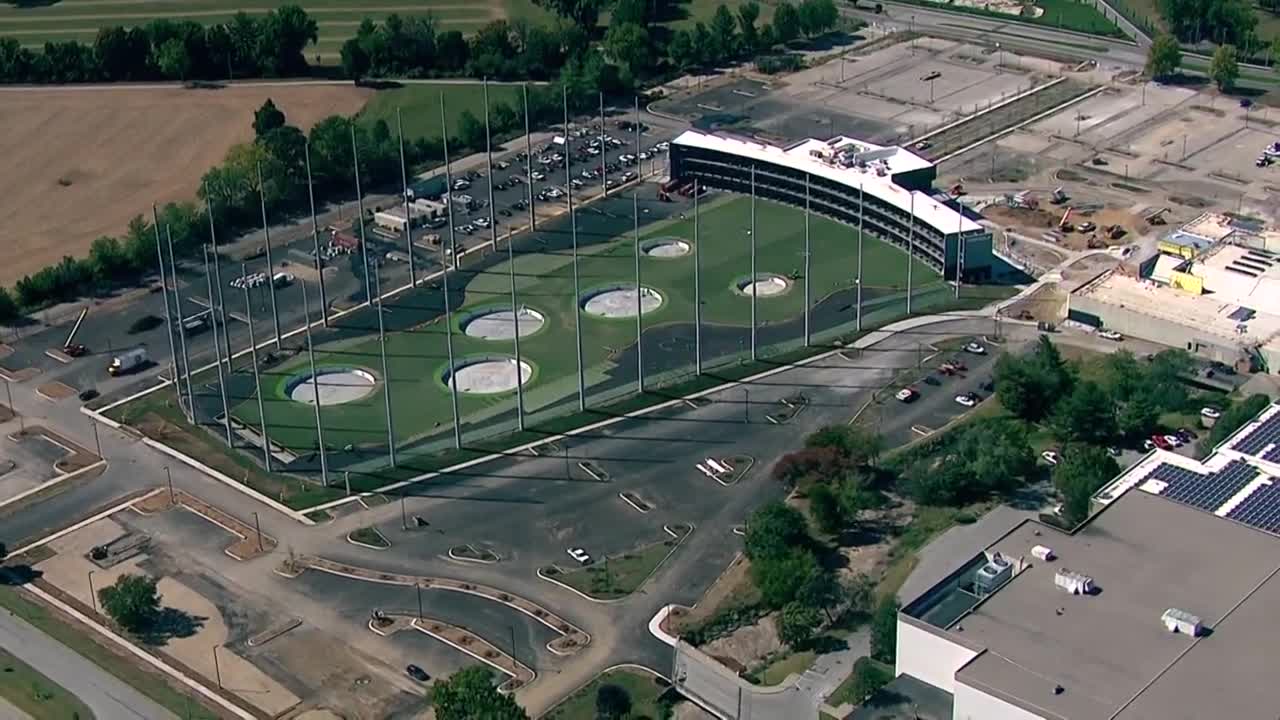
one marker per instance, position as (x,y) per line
(1207,492)
(1266,433)
(1261,509)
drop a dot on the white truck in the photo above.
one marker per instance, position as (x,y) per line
(127,361)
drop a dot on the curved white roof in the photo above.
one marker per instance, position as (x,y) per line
(850,162)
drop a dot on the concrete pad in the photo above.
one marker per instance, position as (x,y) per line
(69,569)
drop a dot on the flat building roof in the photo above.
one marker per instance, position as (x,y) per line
(1108,655)
(851,162)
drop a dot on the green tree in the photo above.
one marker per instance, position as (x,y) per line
(826,510)
(583,12)
(4,551)
(613,702)
(8,309)
(797,624)
(1137,417)
(173,59)
(1223,69)
(628,45)
(817,16)
(997,455)
(1083,470)
(107,260)
(471,130)
(1164,56)
(132,601)
(1030,386)
(470,694)
(1275,52)
(724,35)
(884,630)
(820,590)
(748,13)
(681,50)
(786,22)
(1088,414)
(860,592)
(854,444)
(780,577)
(773,529)
(267,118)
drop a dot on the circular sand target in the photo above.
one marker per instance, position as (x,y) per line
(501,324)
(665,248)
(334,385)
(764,285)
(620,301)
(488,375)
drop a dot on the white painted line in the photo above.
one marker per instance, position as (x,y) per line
(703,469)
(587,469)
(87,521)
(717,466)
(51,483)
(632,503)
(141,654)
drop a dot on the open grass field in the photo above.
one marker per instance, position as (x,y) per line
(1065,14)
(417,358)
(34,23)
(80,163)
(36,695)
(419,105)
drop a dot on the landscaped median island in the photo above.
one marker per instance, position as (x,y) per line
(369,537)
(618,693)
(614,577)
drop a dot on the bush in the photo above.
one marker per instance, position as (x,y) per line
(777,64)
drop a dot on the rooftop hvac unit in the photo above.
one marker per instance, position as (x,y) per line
(1043,553)
(1073,582)
(1181,621)
(992,575)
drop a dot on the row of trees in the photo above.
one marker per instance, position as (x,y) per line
(268,46)
(1164,59)
(728,37)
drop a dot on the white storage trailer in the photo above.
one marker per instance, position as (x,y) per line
(127,361)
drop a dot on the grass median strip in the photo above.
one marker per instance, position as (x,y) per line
(644,692)
(620,575)
(36,695)
(151,684)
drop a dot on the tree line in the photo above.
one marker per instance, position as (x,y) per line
(244,47)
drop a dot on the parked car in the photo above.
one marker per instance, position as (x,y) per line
(1051,457)
(417,673)
(1160,442)
(968,400)
(1111,335)
(1173,440)
(87,395)
(579,555)
(976,348)
(1210,413)
(1148,446)
(907,395)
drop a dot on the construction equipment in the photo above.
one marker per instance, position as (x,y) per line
(1064,225)
(1157,217)
(75,350)
(957,190)
(1114,232)
(1058,196)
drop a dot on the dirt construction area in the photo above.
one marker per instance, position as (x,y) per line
(82,161)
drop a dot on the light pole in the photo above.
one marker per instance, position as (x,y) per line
(93,597)
(173,499)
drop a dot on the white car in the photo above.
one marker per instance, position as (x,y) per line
(907,395)
(1110,335)
(579,555)
(968,400)
(1173,440)
(1210,413)
(1051,457)
(975,348)
(482,222)
(538,176)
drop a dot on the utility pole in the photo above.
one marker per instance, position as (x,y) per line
(528,157)
(168,319)
(257,383)
(444,264)
(386,375)
(364,246)
(862,211)
(173,498)
(217,280)
(573,231)
(697,287)
(315,237)
(408,218)
(807,288)
(315,387)
(182,330)
(635,211)
(604,153)
(271,268)
(911,238)
(222,383)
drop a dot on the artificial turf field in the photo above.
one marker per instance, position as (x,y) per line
(417,357)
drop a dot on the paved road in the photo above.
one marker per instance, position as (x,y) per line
(107,697)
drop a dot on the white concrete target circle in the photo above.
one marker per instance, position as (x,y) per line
(501,324)
(335,386)
(620,302)
(665,248)
(764,285)
(488,375)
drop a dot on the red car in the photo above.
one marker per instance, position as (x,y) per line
(1160,442)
